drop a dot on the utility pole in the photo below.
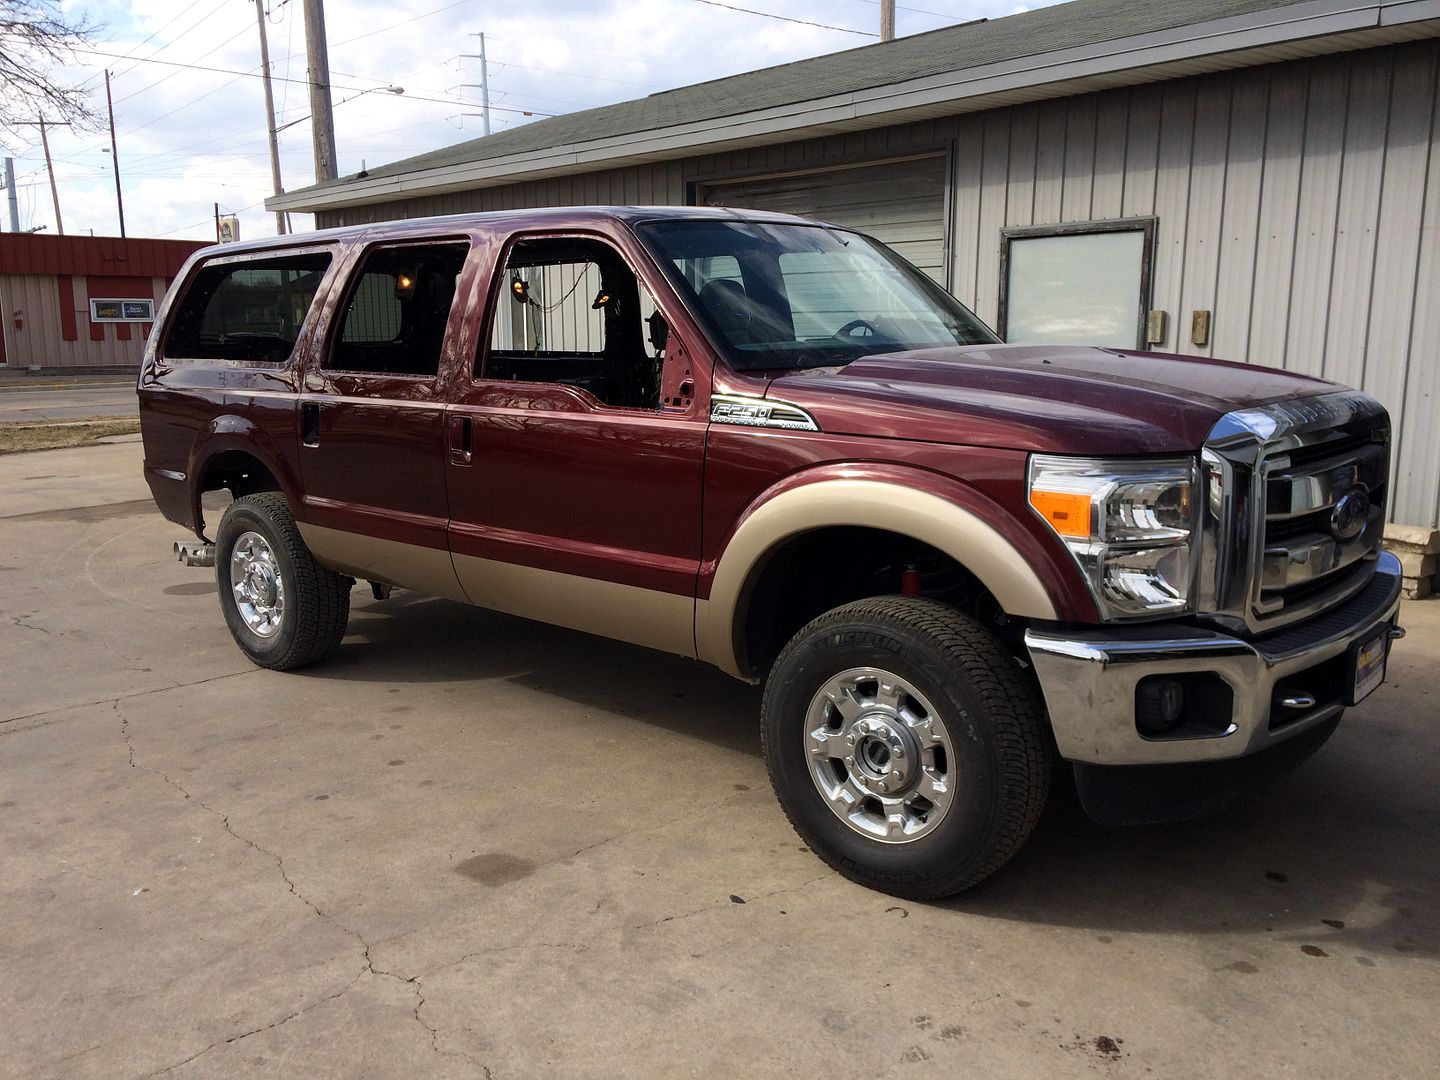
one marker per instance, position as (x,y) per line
(50,168)
(887,20)
(484,84)
(270,115)
(10,191)
(322,120)
(115,155)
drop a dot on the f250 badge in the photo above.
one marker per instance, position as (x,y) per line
(759,412)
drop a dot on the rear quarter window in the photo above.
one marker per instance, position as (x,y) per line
(250,310)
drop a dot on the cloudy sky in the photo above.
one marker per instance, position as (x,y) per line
(189,105)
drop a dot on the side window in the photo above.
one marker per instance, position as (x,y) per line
(250,310)
(571,312)
(394,320)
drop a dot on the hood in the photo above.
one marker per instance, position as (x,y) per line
(1060,399)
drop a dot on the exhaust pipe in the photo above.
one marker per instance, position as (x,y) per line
(195,554)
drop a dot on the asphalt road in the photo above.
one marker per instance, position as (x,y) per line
(69,404)
(474,846)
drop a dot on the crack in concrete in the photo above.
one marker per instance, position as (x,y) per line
(126,697)
(435,1033)
(19,620)
(256,1031)
(412,982)
(369,967)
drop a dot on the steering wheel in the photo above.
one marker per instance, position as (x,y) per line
(848,330)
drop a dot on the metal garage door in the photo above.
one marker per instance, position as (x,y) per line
(901,203)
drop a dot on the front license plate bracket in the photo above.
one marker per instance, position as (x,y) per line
(1368,657)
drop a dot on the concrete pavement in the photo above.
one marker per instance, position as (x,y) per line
(474,846)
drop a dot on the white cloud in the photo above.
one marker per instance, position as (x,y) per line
(189,138)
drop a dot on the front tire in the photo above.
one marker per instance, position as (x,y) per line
(284,610)
(905,745)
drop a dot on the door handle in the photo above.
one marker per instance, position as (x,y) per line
(462,436)
(310,423)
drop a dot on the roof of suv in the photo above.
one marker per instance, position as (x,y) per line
(511,220)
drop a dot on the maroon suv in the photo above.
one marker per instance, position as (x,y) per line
(774,446)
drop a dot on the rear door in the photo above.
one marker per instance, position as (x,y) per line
(372,424)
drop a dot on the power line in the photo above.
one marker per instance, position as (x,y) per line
(916,11)
(167,45)
(576,74)
(786,18)
(192,63)
(301,82)
(163,26)
(402,22)
(185,105)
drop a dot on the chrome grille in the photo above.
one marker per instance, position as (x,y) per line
(1275,548)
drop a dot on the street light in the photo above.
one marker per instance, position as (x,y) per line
(352,97)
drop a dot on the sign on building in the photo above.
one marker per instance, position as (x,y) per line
(118,311)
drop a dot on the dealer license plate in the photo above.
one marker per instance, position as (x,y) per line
(1369,671)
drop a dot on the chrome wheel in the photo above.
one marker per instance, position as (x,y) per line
(257,584)
(880,755)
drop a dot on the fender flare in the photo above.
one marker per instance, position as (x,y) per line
(229,432)
(915,503)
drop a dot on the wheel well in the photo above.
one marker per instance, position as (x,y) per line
(237,472)
(816,571)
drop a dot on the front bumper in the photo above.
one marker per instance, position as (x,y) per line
(1089,679)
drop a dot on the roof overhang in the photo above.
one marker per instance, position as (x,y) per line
(1299,30)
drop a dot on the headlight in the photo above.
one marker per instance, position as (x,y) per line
(1129,525)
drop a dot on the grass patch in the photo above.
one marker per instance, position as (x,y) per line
(18,438)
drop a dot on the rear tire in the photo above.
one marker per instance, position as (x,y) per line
(283,609)
(906,746)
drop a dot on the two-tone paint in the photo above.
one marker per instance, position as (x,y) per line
(653,525)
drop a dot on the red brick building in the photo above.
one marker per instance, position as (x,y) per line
(78,302)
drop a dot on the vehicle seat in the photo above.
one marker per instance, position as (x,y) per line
(731,308)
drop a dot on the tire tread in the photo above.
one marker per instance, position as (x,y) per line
(1017,729)
(321,601)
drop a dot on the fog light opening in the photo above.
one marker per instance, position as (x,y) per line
(1159,704)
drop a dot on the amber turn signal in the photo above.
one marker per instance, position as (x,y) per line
(1067,513)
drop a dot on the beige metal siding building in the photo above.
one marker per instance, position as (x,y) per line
(81,302)
(1266,173)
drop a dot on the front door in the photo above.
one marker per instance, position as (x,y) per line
(575,453)
(372,421)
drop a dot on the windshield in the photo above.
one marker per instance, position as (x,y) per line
(800,296)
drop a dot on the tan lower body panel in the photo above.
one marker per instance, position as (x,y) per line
(408,566)
(657,620)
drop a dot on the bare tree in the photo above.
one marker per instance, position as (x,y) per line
(36,38)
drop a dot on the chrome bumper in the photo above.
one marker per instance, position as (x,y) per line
(1089,679)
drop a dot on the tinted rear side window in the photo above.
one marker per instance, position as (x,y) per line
(395,319)
(250,311)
